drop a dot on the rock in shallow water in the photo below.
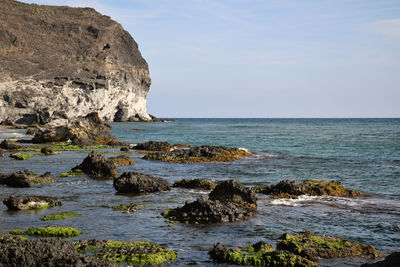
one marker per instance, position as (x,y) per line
(393,260)
(31,202)
(199,184)
(97,166)
(133,182)
(8,144)
(25,178)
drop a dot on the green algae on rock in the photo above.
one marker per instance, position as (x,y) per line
(136,253)
(295,188)
(9,238)
(122,161)
(60,215)
(199,184)
(31,202)
(63,232)
(72,173)
(128,207)
(259,254)
(25,178)
(20,156)
(312,246)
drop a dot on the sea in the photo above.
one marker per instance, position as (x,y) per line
(362,154)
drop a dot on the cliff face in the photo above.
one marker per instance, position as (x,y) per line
(63,62)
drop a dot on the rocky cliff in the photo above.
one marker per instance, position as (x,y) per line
(62,62)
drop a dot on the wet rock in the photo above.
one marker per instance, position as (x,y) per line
(20,156)
(312,246)
(122,161)
(205,211)
(97,166)
(10,145)
(31,202)
(25,178)
(295,188)
(229,201)
(153,146)
(83,131)
(393,260)
(199,154)
(199,184)
(259,254)
(32,131)
(45,252)
(1,153)
(48,151)
(61,232)
(133,182)
(131,253)
(124,149)
(128,207)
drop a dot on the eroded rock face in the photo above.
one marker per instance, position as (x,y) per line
(44,252)
(133,182)
(82,131)
(97,166)
(62,63)
(31,202)
(25,178)
(232,191)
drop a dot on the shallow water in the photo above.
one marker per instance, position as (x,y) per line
(363,154)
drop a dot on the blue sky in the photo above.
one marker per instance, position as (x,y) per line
(261,58)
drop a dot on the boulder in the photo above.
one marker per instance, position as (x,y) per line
(199,184)
(199,154)
(393,260)
(48,151)
(133,182)
(153,146)
(45,252)
(25,178)
(295,188)
(8,144)
(122,161)
(30,202)
(124,149)
(97,166)
(232,191)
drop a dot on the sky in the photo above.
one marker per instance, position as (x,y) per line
(264,58)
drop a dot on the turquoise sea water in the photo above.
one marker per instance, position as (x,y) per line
(363,154)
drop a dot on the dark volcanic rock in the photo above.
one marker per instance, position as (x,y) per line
(122,161)
(45,252)
(133,182)
(31,202)
(153,146)
(60,62)
(312,246)
(47,151)
(199,184)
(229,201)
(199,154)
(25,178)
(83,131)
(393,260)
(8,144)
(97,166)
(295,188)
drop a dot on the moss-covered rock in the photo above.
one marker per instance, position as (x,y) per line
(9,145)
(393,260)
(312,246)
(31,202)
(199,154)
(295,188)
(153,146)
(63,232)
(25,178)
(46,151)
(9,238)
(128,207)
(259,254)
(199,184)
(122,161)
(60,215)
(97,166)
(135,253)
(71,173)
(20,156)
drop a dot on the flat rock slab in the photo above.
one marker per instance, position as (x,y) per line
(25,178)
(133,182)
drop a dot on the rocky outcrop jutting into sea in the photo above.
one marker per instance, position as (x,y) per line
(62,62)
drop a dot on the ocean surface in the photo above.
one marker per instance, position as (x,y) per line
(363,154)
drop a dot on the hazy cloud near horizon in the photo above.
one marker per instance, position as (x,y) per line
(256,58)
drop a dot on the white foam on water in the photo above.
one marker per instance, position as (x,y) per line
(300,201)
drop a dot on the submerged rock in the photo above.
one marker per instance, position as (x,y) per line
(31,202)
(393,260)
(295,188)
(199,154)
(312,246)
(153,146)
(199,184)
(25,178)
(229,201)
(62,232)
(122,161)
(131,253)
(133,182)
(259,254)
(20,156)
(97,166)
(44,252)
(82,131)
(10,145)
(129,207)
